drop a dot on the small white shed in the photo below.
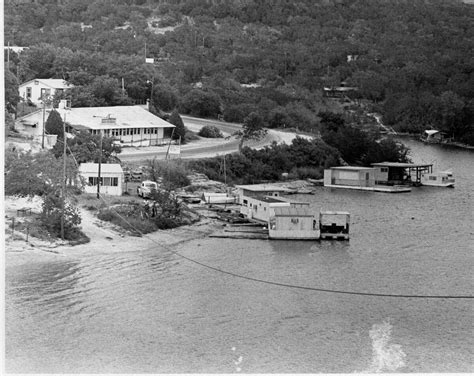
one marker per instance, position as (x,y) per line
(111,177)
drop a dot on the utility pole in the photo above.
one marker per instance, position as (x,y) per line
(8,57)
(42,139)
(100,164)
(63,193)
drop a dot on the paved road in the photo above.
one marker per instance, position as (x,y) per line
(206,147)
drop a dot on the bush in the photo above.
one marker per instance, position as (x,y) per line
(210,131)
(128,217)
(308,172)
(51,216)
(173,174)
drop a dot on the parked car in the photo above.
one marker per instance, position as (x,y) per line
(147,188)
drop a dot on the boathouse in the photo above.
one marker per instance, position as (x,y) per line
(395,173)
(334,225)
(432,136)
(349,176)
(111,177)
(293,223)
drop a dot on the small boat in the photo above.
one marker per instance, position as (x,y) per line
(190,199)
(438,179)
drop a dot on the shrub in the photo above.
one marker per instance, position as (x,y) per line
(173,174)
(210,131)
(51,216)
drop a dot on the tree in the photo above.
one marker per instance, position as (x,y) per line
(9,123)
(54,124)
(28,174)
(164,98)
(85,147)
(11,91)
(252,129)
(180,130)
(52,216)
(200,103)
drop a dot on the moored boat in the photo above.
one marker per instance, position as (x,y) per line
(438,179)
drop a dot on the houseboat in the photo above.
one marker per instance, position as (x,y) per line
(334,225)
(438,179)
(360,178)
(293,223)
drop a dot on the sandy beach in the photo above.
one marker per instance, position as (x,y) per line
(104,236)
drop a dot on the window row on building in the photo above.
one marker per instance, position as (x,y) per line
(110,182)
(125,131)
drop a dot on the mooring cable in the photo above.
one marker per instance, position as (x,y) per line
(287,285)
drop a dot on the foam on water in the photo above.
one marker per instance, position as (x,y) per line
(385,356)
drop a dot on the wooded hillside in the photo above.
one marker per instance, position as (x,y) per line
(412,61)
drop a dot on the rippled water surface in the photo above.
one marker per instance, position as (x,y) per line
(154,311)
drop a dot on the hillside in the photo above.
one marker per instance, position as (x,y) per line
(411,61)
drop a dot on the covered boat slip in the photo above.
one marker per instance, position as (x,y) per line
(394,173)
(334,225)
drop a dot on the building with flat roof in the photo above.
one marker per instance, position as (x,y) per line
(111,178)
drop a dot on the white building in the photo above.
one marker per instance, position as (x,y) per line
(297,223)
(131,125)
(111,176)
(34,90)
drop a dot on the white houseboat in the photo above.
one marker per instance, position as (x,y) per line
(293,223)
(360,178)
(438,179)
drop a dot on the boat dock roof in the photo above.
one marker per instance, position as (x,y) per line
(291,211)
(402,165)
(263,188)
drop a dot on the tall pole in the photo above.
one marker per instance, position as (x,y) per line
(100,164)
(225,173)
(8,57)
(42,139)
(63,194)
(169,144)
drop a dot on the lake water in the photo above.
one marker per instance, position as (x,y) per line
(155,311)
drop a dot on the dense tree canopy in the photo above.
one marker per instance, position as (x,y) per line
(409,60)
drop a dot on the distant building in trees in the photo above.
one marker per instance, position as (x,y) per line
(339,91)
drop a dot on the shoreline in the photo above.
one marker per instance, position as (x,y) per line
(104,238)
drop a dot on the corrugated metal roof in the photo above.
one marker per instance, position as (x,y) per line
(105,168)
(291,211)
(91,117)
(125,117)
